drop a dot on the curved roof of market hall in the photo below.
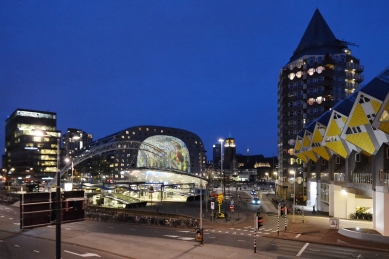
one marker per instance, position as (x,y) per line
(153,135)
(318,39)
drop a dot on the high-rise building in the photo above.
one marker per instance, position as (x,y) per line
(31,145)
(321,72)
(74,140)
(216,154)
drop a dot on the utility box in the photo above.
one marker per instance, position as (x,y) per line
(334,223)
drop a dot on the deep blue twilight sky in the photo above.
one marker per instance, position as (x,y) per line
(210,67)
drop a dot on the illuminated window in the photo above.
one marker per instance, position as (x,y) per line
(133,133)
(299,74)
(36,139)
(311,71)
(291,151)
(147,129)
(139,128)
(291,76)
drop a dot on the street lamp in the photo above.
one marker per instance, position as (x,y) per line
(294,191)
(221,163)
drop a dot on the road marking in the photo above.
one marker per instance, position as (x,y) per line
(245,230)
(170,236)
(234,233)
(67,228)
(184,231)
(226,232)
(17,245)
(49,226)
(212,237)
(315,250)
(297,236)
(2,216)
(186,238)
(302,249)
(231,255)
(10,218)
(16,223)
(266,233)
(1,241)
(239,240)
(241,233)
(36,251)
(206,233)
(83,255)
(219,231)
(232,228)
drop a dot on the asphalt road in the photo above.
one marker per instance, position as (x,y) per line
(95,239)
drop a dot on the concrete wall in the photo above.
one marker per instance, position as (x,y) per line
(380,218)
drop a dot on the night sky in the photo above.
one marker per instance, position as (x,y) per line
(210,67)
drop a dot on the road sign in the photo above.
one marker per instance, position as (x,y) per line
(212,205)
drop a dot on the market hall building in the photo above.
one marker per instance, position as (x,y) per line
(144,163)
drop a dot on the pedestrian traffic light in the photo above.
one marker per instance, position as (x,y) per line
(259,221)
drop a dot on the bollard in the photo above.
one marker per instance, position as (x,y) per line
(285,212)
(255,241)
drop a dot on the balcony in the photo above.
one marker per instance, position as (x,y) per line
(339,177)
(356,77)
(351,85)
(364,178)
(355,66)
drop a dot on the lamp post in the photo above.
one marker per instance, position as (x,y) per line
(221,164)
(58,199)
(275,183)
(294,192)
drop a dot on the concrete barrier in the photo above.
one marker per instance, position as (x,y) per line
(364,236)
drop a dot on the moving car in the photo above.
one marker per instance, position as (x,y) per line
(256,201)
(253,192)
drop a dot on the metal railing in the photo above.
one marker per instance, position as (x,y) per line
(362,178)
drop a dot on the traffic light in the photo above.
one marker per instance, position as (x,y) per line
(259,221)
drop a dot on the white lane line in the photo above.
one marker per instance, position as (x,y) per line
(17,245)
(36,251)
(16,223)
(49,226)
(302,249)
(186,238)
(184,231)
(170,236)
(10,218)
(2,216)
(297,236)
